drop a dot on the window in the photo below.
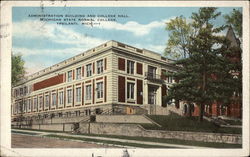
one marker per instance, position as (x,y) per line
(69,76)
(21,91)
(68,114)
(77,113)
(130,90)
(35,104)
(152,70)
(47,100)
(88,92)
(25,90)
(99,90)
(99,66)
(60,114)
(61,98)
(29,102)
(78,94)
(24,105)
(87,112)
(170,79)
(40,102)
(15,93)
(98,111)
(20,109)
(53,99)
(89,70)
(78,73)
(69,96)
(130,67)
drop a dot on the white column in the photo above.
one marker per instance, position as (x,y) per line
(145,92)
(159,96)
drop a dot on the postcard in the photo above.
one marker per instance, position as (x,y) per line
(124,78)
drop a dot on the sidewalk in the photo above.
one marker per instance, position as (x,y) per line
(41,133)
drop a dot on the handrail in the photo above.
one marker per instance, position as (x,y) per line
(153,77)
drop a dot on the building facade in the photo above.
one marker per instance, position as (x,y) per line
(111,78)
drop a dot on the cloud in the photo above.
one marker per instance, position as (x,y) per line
(49,52)
(38,59)
(132,26)
(55,33)
(34,29)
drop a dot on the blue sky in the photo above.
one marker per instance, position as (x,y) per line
(43,44)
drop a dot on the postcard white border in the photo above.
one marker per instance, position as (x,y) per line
(6,33)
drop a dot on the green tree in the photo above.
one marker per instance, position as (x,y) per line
(17,68)
(179,38)
(204,77)
(235,20)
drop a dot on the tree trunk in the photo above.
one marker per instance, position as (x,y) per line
(189,110)
(201,112)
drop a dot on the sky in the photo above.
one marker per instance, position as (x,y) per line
(45,43)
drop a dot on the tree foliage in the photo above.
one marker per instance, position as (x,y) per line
(17,68)
(235,20)
(205,75)
(179,38)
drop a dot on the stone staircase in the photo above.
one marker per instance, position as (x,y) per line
(172,108)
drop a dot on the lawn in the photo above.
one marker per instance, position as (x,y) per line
(174,122)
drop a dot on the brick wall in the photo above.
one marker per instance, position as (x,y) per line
(139,97)
(48,82)
(121,89)
(121,64)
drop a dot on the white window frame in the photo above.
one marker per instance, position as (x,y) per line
(130,90)
(46,101)
(70,75)
(53,99)
(99,90)
(89,70)
(40,102)
(20,106)
(61,98)
(35,102)
(24,106)
(78,73)
(69,96)
(130,67)
(29,104)
(78,94)
(88,92)
(99,66)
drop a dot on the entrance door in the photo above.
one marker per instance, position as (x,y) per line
(152,95)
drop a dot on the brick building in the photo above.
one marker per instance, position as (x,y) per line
(234,110)
(111,78)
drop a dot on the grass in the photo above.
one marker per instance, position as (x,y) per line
(107,142)
(171,141)
(174,122)
(233,122)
